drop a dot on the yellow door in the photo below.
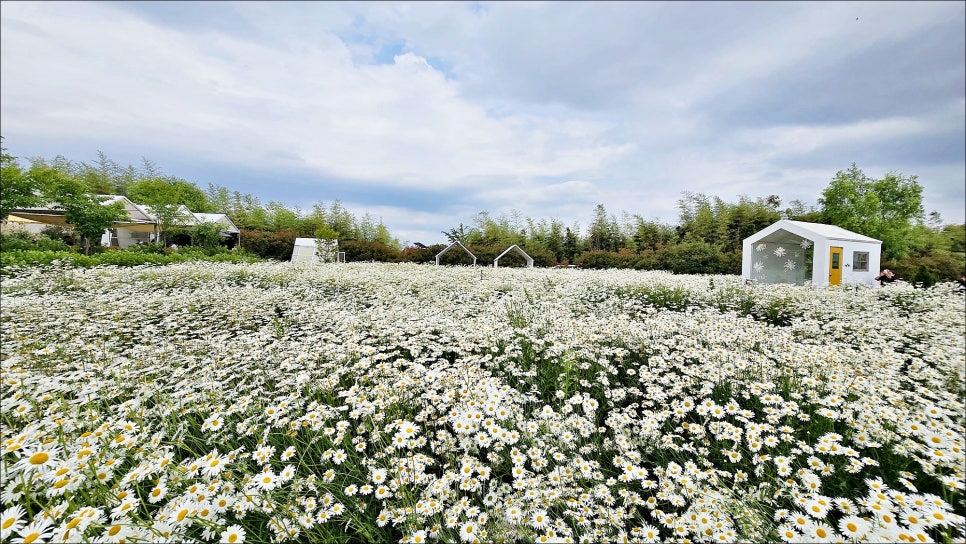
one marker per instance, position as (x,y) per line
(835,266)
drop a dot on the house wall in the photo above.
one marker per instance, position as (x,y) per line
(125,238)
(849,276)
(820,260)
(16,226)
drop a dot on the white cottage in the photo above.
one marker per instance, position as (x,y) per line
(796,252)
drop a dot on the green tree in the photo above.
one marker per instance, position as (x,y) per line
(555,239)
(341,220)
(86,213)
(883,208)
(280,217)
(457,234)
(207,235)
(17,188)
(168,191)
(604,232)
(571,245)
(325,232)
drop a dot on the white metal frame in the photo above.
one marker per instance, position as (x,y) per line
(496,262)
(440,254)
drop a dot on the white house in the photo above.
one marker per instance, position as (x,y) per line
(141,225)
(797,252)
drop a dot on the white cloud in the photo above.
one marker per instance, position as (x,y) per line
(541,107)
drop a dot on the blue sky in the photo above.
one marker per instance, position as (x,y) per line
(426,113)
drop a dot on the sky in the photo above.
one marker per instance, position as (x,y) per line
(424,114)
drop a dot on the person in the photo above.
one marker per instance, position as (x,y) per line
(886,276)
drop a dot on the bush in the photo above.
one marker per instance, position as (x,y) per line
(360,250)
(412,254)
(269,245)
(923,278)
(156,248)
(121,257)
(941,265)
(690,258)
(24,240)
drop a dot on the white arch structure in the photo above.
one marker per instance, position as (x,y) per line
(496,262)
(449,247)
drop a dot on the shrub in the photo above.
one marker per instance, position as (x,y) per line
(269,245)
(941,265)
(411,254)
(360,250)
(690,258)
(923,278)
(25,240)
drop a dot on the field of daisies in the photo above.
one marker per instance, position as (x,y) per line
(384,403)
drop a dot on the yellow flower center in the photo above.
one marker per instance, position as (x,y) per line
(39,458)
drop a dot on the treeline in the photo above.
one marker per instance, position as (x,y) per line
(39,180)
(707,237)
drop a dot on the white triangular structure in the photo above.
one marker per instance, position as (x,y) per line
(313,250)
(496,262)
(449,247)
(781,254)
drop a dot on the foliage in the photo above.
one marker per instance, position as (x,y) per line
(923,278)
(361,250)
(25,240)
(690,258)
(207,235)
(17,188)
(168,191)
(269,245)
(325,232)
(14,259)
(413,254)
(887,209)
(86,213)
(881,208)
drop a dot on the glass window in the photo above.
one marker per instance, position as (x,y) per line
(860,261)
(835,261)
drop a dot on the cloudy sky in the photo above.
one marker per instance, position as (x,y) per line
(426,113)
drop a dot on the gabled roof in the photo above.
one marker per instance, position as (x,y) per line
(185,217)
(812,231)
(135,212)
(219,218)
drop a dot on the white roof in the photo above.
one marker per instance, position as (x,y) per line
(134,211)
(833,232)
(813,231)
(217,218)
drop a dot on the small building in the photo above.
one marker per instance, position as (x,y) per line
(798,252)
(314,250)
